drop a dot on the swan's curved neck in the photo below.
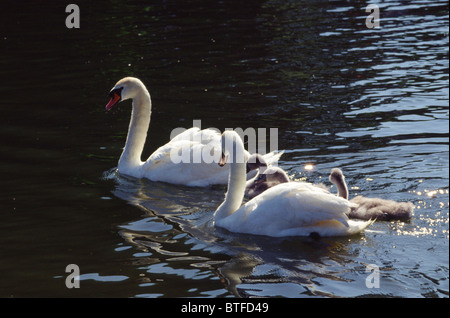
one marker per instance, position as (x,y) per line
(342,187)
(236,185)
(137,132)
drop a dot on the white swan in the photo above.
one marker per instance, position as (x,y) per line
(287,209)
(371,208)
(160,166)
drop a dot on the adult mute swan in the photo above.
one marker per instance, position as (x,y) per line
(371,208)
(287,209)
(161,166)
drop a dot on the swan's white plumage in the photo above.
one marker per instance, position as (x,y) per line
(287,209)
(192,172)
(193,145)
(293,209)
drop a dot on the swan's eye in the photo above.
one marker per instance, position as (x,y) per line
(117,91)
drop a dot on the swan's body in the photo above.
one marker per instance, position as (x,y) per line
(187,148)
(371,208)
(287,209)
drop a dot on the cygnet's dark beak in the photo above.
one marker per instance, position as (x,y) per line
(261,178)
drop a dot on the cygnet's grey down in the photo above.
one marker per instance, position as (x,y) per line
(371,208)
(266,177)
(255,185)
(270,177)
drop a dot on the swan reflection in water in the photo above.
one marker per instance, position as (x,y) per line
(177,226)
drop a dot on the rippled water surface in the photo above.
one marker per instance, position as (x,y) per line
(373,102)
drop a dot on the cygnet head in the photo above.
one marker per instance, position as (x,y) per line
(271,177)
(255,162)
(337,178)
(126,88)
(233,150)
(275,175)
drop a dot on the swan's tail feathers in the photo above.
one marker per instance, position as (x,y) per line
(338,228)
(357,226)
(273,157)
(344,221)
(333,223)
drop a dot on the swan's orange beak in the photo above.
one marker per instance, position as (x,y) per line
(223,160)
(114,99)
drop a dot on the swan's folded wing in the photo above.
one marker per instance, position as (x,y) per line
(297,204)
(188,134)
(208,136)
(322,205)
(186,162)
(195,135)
(291,209)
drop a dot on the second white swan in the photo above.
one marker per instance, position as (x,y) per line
(287,209)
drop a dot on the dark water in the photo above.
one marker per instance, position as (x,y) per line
(373,102)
